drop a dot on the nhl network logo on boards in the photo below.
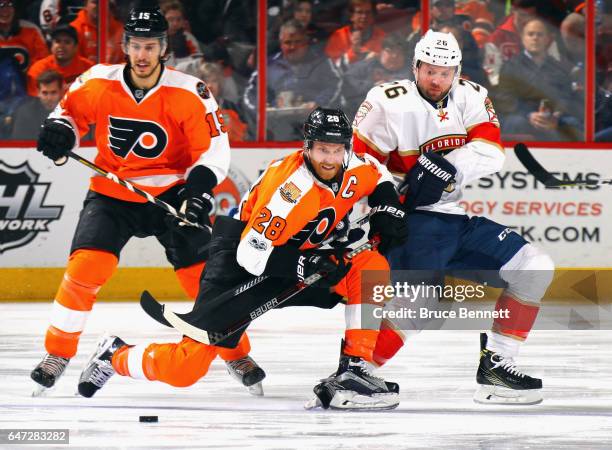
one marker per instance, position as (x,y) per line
(22,211)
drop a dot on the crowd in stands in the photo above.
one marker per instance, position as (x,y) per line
(529,54)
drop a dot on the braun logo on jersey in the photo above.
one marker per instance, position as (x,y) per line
(22,212)
(141,137)
(434,169)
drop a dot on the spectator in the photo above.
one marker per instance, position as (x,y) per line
(12,90)
(23,37)
(86,24)
(476,10)
(55,12)
(505,42)
(30,114)
(297,77)
(391,64)
(233,114)
(302,12)
(233,83)
(481,31)
(63,59)
(534,95)
(181,43)
(443,13)
(356,41)
(471,59)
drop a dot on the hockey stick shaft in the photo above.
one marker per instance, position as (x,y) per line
(203,336)
(126,184)
(544,176)
(156,310)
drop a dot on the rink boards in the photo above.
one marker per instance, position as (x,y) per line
(40,203)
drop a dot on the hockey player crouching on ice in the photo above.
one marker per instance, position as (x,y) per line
(166,150)
(296,204)
(439,134)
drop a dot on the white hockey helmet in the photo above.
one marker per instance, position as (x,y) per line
(439,49)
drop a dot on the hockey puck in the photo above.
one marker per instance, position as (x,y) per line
(148,419)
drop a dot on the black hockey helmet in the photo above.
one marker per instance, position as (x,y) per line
(329,125)
(147,22)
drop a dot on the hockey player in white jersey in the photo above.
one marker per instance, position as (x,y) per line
(438,134)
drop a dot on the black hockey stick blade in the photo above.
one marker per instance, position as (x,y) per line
(544,176)
(535,168)
(153,308)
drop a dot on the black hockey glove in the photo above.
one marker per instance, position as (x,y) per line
(425,183)
(196,196)
(56,139)
(330,263)
(287,261)
(387,217)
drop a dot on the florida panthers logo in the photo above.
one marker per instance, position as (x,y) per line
(141,137)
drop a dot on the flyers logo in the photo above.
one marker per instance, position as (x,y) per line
(141,137)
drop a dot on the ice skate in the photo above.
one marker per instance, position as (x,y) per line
(501,382)
(99,368)
(247,372)
(47,372)
(354,387)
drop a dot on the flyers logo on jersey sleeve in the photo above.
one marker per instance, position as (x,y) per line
(143,138)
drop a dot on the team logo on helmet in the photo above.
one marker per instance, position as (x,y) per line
(290,192)
(141,137)
(203,90)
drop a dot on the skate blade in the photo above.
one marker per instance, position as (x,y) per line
(352,401)
(42,391)
(256,389)
(497,395)
(313,403)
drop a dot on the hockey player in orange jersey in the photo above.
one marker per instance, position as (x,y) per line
(143,136)
(296,204)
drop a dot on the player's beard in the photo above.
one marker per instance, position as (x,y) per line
(145,75)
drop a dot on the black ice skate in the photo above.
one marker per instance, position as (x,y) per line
(99,368)
(47,372)
(354,387)
(501,382)
(247,372)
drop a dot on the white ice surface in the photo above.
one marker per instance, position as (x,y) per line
(296,347)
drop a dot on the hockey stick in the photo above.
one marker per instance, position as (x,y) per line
(126,184)
(544,176)
(213,338)
(156,310)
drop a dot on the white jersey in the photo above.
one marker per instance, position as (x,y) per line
(396,124)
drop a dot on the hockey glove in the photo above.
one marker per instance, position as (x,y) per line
(425,183)
(196,196)
(56,139)
(330,263)
(387,217)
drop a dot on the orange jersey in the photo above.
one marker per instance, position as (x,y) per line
(339,45)
(28,42)
(289,205)
(153,143)
(69,73)
(88,38)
